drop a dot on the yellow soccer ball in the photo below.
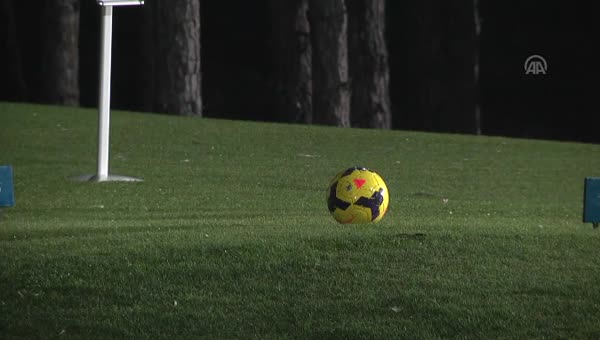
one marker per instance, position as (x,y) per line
(357,195)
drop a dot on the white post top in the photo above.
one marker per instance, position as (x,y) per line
(119,2)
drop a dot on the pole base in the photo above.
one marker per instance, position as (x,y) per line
(109,178)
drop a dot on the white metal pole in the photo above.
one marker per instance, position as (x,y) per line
(104,99)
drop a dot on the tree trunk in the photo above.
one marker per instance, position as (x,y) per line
(368,58)
(60,61)
(476,66)
(292,59)
(331,90)
(446,67)
(12,79)
(176,56)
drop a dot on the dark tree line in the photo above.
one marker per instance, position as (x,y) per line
(429,65)
(313,75)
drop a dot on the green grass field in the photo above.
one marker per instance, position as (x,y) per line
(229,236)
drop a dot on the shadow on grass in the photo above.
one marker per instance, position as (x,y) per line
(89,223)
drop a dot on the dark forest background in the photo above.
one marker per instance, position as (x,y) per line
(431,47)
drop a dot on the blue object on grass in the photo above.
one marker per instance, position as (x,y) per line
(7,192)
(591,201)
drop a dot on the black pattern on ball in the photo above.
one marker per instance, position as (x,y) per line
(373,203)
(333,201)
